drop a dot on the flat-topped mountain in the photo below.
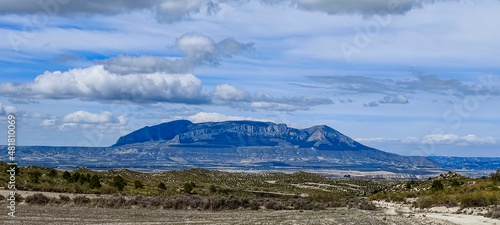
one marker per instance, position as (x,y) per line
(243,133)
(233,145)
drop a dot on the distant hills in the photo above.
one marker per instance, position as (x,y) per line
(241,146)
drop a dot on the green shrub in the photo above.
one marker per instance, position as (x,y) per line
(66,175)
(437,186)
(455,183)
(95,182)
(35,176)
(162,186)
(189,187)
(479,199)
(138,184)
(119,183)
(75,177)
(52,173)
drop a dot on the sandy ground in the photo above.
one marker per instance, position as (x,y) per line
(29,214)
(388,213)
(452,215)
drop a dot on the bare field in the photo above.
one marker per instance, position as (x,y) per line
(30,214)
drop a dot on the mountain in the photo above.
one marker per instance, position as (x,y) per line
(250,143)
(235,146)
(243,134)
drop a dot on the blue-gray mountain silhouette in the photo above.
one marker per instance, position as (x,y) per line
(243,133)
(234,145)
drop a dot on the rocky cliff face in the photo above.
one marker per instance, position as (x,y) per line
(243,134)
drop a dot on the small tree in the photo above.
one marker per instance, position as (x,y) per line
(437,185)
(162,186)
(52,173)
(138,184)
(455,183)
(188,187)
(66,175)
(84,178)
(75,177)
(119,183)
(95,182)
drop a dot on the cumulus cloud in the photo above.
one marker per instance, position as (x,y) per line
(104,120)
(228,95)
(227,92)
(96,83)
(197,48)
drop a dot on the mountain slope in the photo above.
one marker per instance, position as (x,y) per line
(243,134)
(232,145)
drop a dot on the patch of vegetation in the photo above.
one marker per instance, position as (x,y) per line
(449,190)
(496,176)
(204,189)
(138,184)
(37,199)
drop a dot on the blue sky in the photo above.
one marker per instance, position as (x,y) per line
(409,77)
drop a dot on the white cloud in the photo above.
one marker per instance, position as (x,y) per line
(227,92)
(452,139)
(435,139)
(87,117)
(96,83)
(217,117)
(197,48)
(48,122)
(6,110)
(104,120)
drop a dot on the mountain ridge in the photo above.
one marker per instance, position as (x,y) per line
(241,134)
